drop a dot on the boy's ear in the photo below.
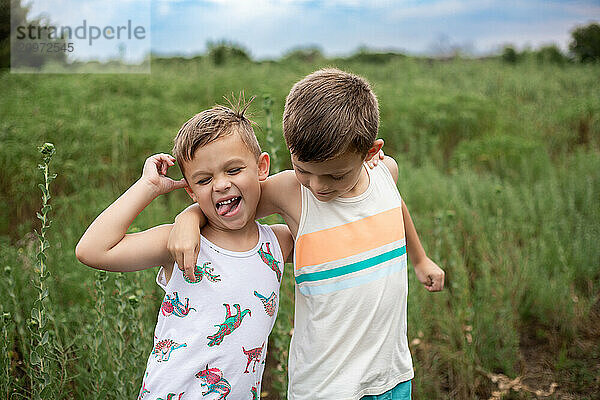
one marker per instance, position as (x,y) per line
(377,145)
(264,163)
(189,191)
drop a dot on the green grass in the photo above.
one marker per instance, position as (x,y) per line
(499,166)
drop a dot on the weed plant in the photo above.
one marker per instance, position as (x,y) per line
(5,322)
(38,356)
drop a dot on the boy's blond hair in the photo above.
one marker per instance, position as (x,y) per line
(328,113)
(210,125)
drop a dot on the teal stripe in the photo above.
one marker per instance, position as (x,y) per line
(353,281)
(350,268)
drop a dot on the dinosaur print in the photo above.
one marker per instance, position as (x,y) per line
(230,324)
(170,396)
(143,391)
(202,271)
(253,357)
(163,349)
(173,306)
(268,259)
(269,303)
(214,382)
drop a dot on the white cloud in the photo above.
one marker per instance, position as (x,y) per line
(101,14)
(438,8)
(449,8)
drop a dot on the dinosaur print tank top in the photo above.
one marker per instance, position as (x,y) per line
(349,336)
(210,340)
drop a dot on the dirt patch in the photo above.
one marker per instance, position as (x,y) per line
(573,366)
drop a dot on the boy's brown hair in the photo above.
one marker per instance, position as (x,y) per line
(328,113)
(210,125)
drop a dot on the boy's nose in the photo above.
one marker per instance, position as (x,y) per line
(222,184)
(316,184)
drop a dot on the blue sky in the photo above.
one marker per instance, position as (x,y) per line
(269,28)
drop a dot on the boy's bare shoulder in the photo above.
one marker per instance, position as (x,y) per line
(281,195)
(392,165)
(285,238)
(285,178)
(281,189)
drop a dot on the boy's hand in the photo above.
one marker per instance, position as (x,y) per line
(372,163)
(374,160)
(184,245)
(155,174)
(430,275)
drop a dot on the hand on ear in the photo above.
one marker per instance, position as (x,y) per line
(375,154)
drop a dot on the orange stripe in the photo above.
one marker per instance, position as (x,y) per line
(349,239)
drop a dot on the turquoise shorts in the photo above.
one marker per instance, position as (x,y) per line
(400,392)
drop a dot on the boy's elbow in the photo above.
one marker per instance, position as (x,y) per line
(80,253)
(83,254)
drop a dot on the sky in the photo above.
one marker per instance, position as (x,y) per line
(270,28)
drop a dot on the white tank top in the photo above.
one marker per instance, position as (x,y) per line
(210,340)
(351,290)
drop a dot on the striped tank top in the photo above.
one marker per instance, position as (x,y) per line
(349,335)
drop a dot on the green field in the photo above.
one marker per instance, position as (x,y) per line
(499,166)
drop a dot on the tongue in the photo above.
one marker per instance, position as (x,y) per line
(226,208)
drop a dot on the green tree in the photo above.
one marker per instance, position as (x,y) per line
(12,14)
(10,11)
(307,54)
(510,55)
(586,43)
(5,30)
(550,55)
(365,55)
(224,51)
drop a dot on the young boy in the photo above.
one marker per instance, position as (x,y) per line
(352,231)
(211,336)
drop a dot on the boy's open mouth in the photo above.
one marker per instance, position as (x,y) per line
(228,207)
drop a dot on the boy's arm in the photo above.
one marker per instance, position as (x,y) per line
(391,164)
(286,241)
(280,194)
(105,244)
(184,240)
(428,272)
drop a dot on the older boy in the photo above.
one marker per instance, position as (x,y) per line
(352,233)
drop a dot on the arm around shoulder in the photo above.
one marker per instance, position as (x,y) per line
(280,194)
(392,165)
(286,241)
(184,241)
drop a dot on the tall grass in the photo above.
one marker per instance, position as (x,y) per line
(279,341)
(96,332)
(5,322)
(38,356)
(499,167)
